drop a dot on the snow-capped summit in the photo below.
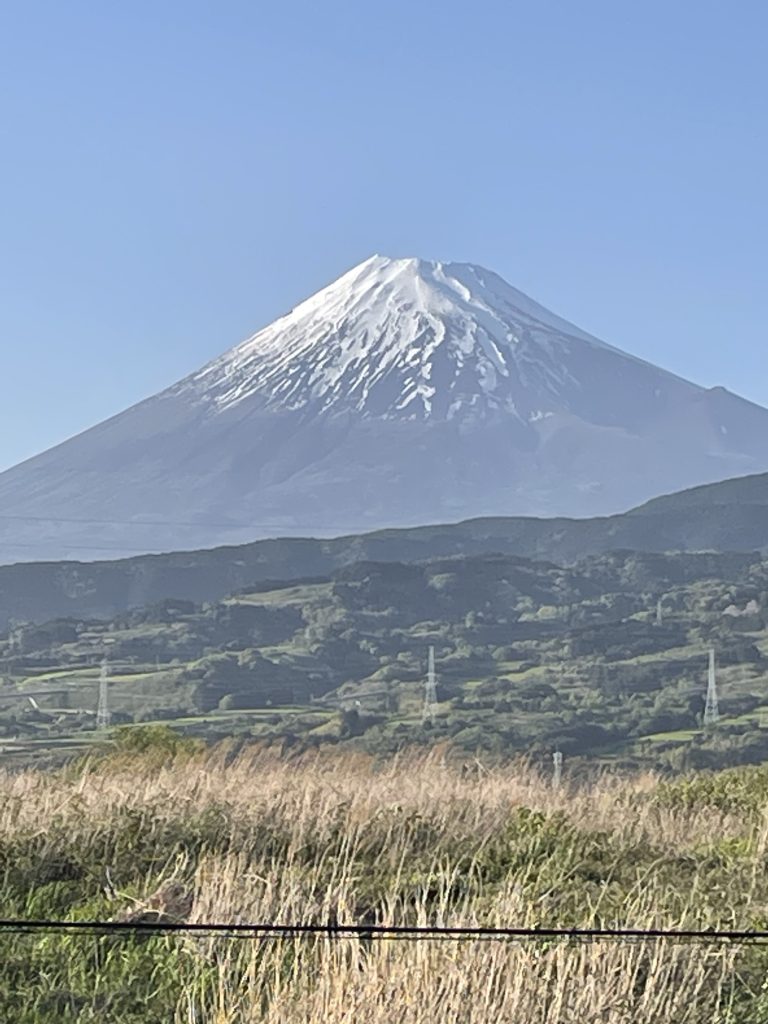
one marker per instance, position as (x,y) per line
(402,338)
(405,392)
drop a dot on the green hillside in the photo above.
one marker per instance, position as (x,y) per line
(604,659)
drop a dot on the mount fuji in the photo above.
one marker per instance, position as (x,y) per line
(406,392)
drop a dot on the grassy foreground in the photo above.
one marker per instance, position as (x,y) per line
(253,837)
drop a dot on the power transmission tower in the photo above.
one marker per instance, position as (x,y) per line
(557,774)
(430,690)
(711,709)
(103,716)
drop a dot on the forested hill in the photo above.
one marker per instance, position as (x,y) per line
(738,492)
(731,516)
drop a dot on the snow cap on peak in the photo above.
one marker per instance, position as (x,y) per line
(404,338)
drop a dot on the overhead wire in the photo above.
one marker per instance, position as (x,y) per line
(372,932)
(264,525)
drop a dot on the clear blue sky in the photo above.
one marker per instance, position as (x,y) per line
(176,174)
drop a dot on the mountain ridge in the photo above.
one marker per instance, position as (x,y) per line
(45,590)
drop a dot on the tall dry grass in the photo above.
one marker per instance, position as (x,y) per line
(414,840)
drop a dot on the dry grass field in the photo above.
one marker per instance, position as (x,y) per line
(256,837)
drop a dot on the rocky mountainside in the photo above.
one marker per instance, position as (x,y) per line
(406,392)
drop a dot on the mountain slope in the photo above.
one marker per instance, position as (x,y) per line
(406,392)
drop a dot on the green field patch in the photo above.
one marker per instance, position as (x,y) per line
(677,736)
(289,595)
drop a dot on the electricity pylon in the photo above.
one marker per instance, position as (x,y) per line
(557,774)
(430,690)
(711,708)
(103,716)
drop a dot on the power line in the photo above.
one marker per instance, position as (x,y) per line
(276,525)
(45,545)
(382,932)
(311,531)
(122,548)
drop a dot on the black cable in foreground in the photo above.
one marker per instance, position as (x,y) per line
(370,932)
